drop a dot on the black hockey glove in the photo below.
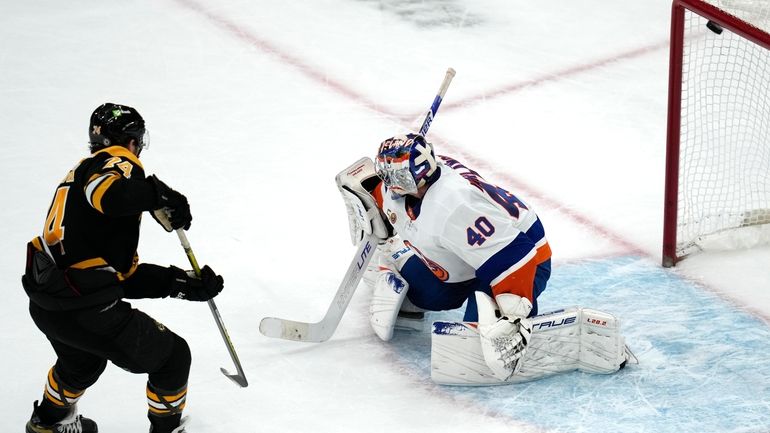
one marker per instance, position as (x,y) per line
(173,211)
(185,285)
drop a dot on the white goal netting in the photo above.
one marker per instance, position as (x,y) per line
(724,162)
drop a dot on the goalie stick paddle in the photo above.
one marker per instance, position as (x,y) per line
(321,331)
(240,377)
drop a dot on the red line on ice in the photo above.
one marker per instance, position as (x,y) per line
(532,193)
(312,73)
(324,80)
(305,69)
(556,76)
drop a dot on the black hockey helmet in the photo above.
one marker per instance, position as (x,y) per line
(114,124)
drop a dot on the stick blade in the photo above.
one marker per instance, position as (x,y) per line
(274,327)
(239,379)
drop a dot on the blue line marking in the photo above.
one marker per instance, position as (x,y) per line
(703,365)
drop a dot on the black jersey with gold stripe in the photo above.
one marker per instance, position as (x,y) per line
(94,218)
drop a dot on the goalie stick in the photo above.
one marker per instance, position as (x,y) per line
(450,73)
(240,377)
(321,331)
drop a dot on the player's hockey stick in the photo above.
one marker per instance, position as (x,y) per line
(321,331)
(239,378)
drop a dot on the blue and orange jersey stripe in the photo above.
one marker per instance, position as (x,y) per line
(512,269)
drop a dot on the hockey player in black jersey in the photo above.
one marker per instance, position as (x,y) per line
(85,263)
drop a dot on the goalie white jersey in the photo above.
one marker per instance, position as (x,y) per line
(465,228)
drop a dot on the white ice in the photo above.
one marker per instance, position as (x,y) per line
(254,106)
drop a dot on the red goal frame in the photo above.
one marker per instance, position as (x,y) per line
(726,21)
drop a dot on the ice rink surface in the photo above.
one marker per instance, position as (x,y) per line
(253,107)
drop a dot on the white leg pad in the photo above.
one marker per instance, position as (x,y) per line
(456,357)
(373,271)
(562,341)
(388,295)
(602,348)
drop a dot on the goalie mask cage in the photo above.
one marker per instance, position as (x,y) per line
(718,138)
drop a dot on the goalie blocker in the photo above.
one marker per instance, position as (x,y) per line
(565,340)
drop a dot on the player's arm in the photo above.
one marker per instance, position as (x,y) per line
(116,186)
(153,281)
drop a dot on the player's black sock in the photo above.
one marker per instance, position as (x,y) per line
(165,408)
(50,414)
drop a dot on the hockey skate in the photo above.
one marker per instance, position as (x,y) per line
(630,358)
(72,423)
(179,429)
(411,317)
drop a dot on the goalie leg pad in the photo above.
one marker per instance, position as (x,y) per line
(602,348)
(456,357)
(388,296)
(566,340)
(373,270)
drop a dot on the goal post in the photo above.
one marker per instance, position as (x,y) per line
(718,135)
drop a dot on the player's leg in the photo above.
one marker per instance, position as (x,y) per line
(135,342)
(542,275)
(400,298)
(471,308)
(426,291)
(75,370)
(167,388)
(147,346)
(390,308)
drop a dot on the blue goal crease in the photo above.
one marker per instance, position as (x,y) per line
(704,366)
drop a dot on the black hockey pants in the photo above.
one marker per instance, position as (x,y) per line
(85,339)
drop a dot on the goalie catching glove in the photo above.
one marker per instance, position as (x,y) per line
(504,340)
(356,184)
